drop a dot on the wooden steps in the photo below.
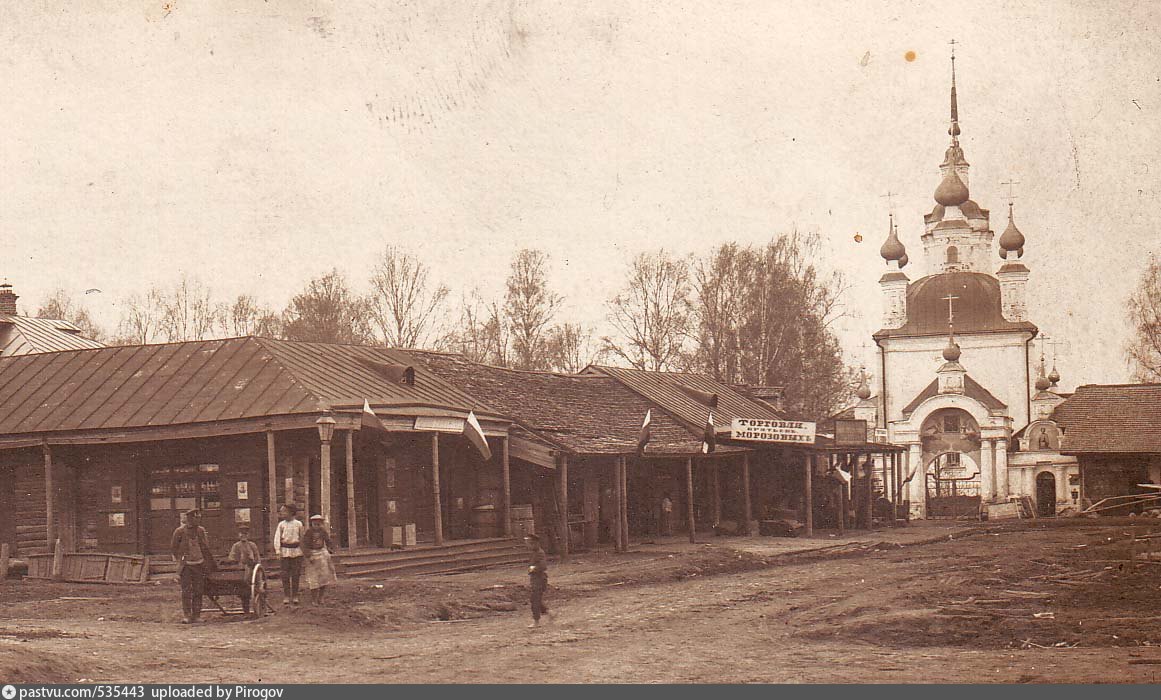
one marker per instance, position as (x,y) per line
(450,558)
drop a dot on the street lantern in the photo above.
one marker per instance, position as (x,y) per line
(326,428)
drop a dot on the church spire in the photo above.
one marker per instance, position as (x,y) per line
(953,130)
(953,159)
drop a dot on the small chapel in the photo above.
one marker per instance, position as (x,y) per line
(958,381)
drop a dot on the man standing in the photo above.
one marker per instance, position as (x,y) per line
(288,545)
(537,577)
(191,551)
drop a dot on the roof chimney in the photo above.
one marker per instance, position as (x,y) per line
(7,300)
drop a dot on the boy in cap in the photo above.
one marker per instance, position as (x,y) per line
(191,550)
(537,577)
(245,553)
(288,545)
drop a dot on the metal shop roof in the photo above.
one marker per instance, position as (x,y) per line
(583,414)
(204,381)
(23,335)
(665,389)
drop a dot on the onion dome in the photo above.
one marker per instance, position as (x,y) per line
(1054,376)
(864,391)
(1011,241)
(892,248)
(951,353)
(951,192)
(903,261)
(1042,383)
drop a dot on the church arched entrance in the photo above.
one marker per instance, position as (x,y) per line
(953,486)
(1045,494)
(951,450)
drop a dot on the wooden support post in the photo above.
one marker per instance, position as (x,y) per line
(271,490)
(747,514)
(562,475)
(689,500)
(306,487)
(57,561)
(716,487)
(324,484)
(506,479)
(808,493)
(435,489)
(352,522)
(894,492)
(624,521)
(843,504)
(5,553)
(618,534)
(49,499)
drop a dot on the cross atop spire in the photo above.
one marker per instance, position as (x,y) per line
(890,197)
(950,298)
(1010,184)
(953,131)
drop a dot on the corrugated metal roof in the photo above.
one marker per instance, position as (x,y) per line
(582,414)
(23,335)
(203,381)
(662,389)
(1111,418)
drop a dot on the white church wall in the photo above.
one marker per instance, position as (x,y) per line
(995,360)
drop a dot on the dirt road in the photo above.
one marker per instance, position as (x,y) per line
(1041,604)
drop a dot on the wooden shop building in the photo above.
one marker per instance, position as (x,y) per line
(104,448)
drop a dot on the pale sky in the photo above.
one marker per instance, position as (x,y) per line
(256,144)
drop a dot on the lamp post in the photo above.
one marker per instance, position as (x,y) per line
(326,431)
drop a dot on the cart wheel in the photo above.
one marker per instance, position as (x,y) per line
(258,604)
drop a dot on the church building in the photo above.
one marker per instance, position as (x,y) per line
(958,384)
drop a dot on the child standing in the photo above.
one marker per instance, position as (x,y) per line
(320,571)
(288,545)
(537,577)
(245,553)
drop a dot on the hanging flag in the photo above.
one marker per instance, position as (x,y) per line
(369,419)
(475,435)
(709,440)
(643,438)
(840,476)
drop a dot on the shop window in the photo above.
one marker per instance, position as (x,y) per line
(185,487)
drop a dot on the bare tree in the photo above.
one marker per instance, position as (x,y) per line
(529,307)
(404,304)
(142,318)
(61,307)
(327,311)
(482,334)
(652,313)
(189,312)
(569,348)
(246,317)
(1144,348)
